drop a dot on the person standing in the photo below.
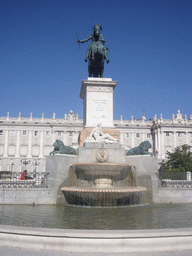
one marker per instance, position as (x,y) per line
(161,173)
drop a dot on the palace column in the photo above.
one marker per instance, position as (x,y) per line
(132,139)
(163,145)
(65,138)
(156,141)
(121,140)
(17,153)
(29,144)
(186,138)
(6,143)
(159,142)
(174,139)
(41,144)
(52,136)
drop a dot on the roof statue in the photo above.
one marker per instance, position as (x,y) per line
(97,53)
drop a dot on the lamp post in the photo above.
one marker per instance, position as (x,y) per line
(34,170)
(25,162)
(12,168)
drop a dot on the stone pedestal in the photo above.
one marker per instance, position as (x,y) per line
(99,153)
(97,95)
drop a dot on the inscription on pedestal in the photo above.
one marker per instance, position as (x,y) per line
(100,108)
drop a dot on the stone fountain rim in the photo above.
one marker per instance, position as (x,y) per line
(100,241)
(102,164)
(104,190)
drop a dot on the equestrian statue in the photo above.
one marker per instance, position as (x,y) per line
(97,53)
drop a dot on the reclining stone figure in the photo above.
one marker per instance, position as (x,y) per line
(98,136)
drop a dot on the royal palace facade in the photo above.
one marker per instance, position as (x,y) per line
(25,142)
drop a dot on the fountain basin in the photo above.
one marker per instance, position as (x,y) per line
(104,196)
(103,184)
(92,171)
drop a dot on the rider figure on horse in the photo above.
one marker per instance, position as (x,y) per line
(97,39)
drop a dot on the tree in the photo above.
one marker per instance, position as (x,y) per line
(180,160)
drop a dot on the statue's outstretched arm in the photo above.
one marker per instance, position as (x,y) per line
(85,40)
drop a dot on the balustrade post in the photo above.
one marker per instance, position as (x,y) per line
(188,176)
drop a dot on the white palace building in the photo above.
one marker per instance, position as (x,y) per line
(29,140)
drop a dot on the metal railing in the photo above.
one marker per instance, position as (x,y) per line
(13,180)
(175,180)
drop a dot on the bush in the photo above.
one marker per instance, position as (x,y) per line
(180,160)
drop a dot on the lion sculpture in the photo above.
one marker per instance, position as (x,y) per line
(60,148)
(142,149)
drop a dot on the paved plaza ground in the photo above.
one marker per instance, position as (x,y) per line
(7,251)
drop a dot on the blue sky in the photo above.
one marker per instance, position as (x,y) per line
(149,43)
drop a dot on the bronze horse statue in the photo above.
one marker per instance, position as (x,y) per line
(96,53)
(96,60)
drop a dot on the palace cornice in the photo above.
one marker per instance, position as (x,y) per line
(79,124)
(174,126)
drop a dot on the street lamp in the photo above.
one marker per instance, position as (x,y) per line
(35,164)
(25,162)
(12,168)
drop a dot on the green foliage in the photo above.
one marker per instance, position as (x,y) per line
(180,160)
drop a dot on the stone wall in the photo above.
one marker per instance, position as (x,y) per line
(146,167)
(172,195)
(26,196)
(58,167)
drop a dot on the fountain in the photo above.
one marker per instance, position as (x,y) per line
(103,184)
(101,176)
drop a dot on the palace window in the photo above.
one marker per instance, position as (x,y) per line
(11,151)
(59,133)
(12,132)
(148,135)
(47,150)
(24,133)
(127,135)
(1,151)
(1,132)
(11,167)
(23,151)
(167,134)
(137,135)
(35,151)
(47,133)
(70,133)
(179,134)
(36,133)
